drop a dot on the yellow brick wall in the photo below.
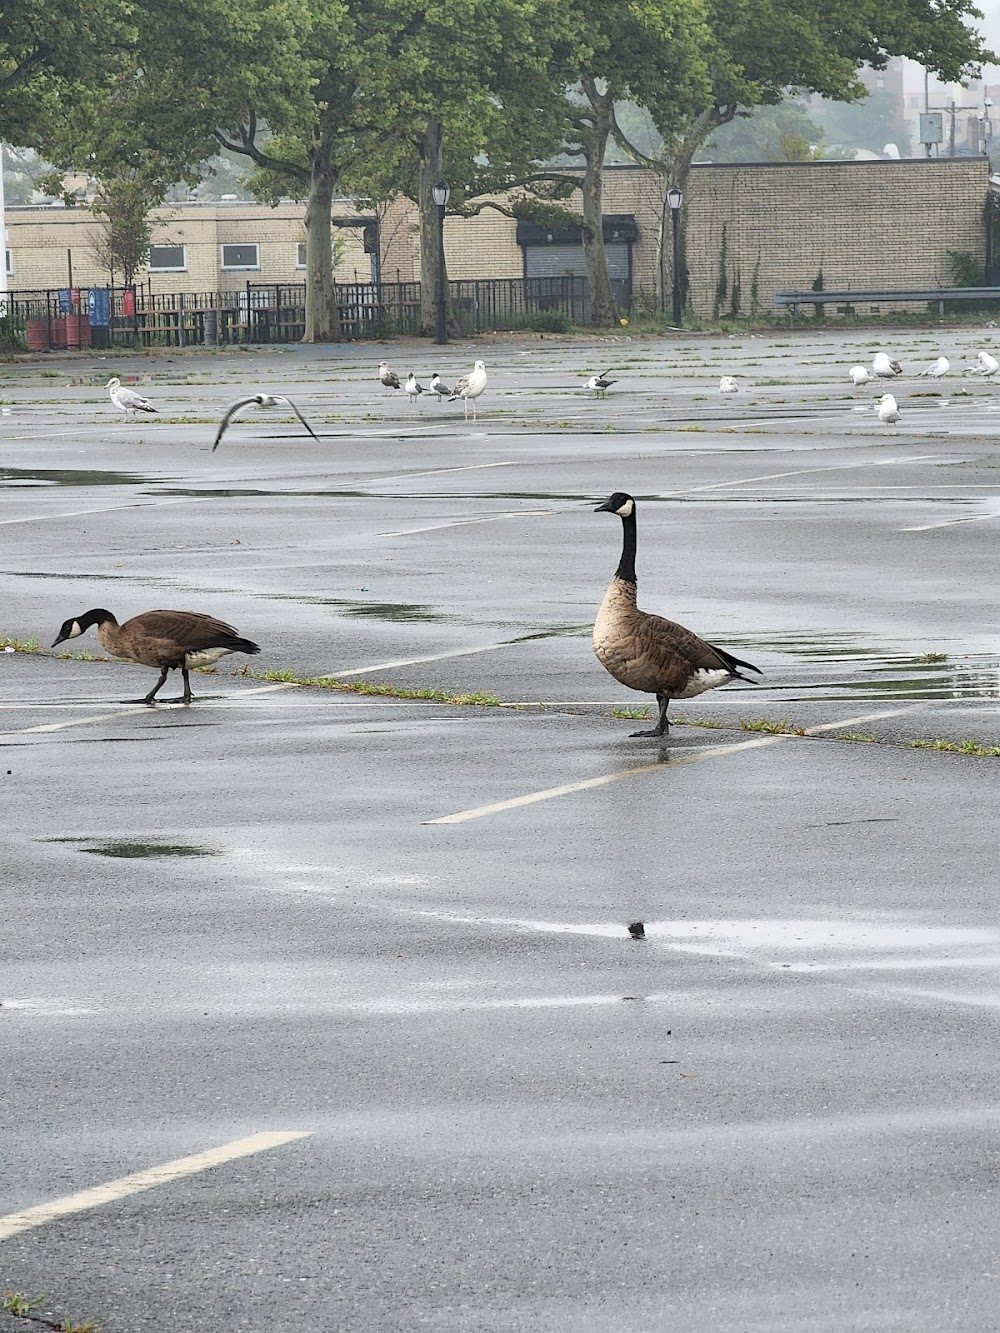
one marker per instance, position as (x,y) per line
(866,223)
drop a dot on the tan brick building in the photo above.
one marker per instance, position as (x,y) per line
(750,229)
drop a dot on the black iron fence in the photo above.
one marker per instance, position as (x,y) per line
(275,312)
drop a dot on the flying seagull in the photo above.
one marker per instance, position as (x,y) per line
(388,377)
(413,388)
(126,399)
(261,400)
(600,383)
(937,368)
(469,387)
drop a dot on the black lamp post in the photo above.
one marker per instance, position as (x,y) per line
(675,198)
(440,193)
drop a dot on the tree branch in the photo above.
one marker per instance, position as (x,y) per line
(247,147)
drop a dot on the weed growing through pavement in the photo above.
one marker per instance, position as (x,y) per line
(854,736)
(765,724)
(386,691)
(630,714)
(958,747)
(19,645)
(710,722)
(19,1305)
(931,657)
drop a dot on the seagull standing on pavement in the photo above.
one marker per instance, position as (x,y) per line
(884,368)
(388,377)
(261,400)
(600,383)
(987,365)
(126,399)
(413,388)
(860,376)
(729,384)
(937,368)
(469,387)
(888,412)
(438,387)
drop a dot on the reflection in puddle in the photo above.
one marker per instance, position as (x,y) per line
(366,610)
(141,850)
(20,476)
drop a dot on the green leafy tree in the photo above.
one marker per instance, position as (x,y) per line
(760,48)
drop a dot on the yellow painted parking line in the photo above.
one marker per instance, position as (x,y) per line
(715,752)
(14,1223)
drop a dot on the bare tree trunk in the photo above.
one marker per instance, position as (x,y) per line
(602,301)
(322,315)
(431,147)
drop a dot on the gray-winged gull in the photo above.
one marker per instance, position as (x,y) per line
(127,399)
(469,387)
(260,400)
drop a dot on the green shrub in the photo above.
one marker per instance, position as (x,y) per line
(543,321)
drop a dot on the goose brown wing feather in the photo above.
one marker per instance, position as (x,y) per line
(191,629)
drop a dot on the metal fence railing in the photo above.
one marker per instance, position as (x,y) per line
(275,312)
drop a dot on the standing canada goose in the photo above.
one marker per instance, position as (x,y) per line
(647,652)
(127,399)
(600,383)
(469,387)
(388,377)
(885,368)
(169,640)
(860,376)
(262,400)
(413,388)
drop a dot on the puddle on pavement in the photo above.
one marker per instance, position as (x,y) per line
(399,611)
(141,850)
(54,574)
(19,476)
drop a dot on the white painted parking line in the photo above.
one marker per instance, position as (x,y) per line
(949,522)
(14,1223)
(127,712)
(715,752)
(435,472)
(808,471)
(468,522)
(103,509)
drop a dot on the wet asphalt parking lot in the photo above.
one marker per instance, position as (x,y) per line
(343,983)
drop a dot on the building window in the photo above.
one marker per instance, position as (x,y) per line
(300,255)
(10,263)
(167,259)
(880,82)
(241,257)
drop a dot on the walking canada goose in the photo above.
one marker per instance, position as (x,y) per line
(600,383)
(127,399)
(647,652)
(261,400)
(469,387)
(170,640)
(388,377)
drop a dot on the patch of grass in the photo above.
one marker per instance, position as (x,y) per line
(386,691)
(51,374)
(20,645)
(772,728)
(19,1305)
(855,736)
(710,722)
(958,747)
(83,656)
(931,657)
(631,714)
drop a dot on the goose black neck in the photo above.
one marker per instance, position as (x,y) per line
(626,565)
(98,616)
